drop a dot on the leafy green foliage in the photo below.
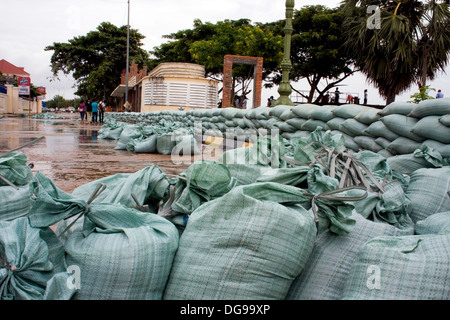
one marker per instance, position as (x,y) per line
(96,60)
(422,95)
(411,44)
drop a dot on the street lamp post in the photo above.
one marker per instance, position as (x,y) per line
(128,53)
(285,89)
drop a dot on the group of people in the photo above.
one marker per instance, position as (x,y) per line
(92,111)
(241,102)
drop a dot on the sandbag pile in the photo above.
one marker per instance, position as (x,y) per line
(165,138)
(299,218)
(400,128)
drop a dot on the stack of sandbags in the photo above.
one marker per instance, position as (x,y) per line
(122,253)
(433,125)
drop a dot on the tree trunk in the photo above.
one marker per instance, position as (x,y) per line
(390,98)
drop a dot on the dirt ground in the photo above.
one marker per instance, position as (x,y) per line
(71,154)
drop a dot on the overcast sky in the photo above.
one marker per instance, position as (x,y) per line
(28,26)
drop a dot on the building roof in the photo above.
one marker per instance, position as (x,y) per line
(8,68)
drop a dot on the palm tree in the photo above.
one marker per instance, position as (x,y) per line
(411,43)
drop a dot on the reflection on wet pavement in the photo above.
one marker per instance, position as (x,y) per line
(71,154)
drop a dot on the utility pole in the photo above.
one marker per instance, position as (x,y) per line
(128,53)
(285,89)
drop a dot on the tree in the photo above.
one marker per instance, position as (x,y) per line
(410,44)
(96,60)
(316,51)
(208,43)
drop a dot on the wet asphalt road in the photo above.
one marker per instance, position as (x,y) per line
(71,154)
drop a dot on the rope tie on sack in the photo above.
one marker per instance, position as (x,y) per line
(330,195)
(98,190)
(9,183)
(139,206)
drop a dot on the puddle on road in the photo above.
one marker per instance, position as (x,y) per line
(71,153)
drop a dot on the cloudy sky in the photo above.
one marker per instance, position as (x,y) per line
(28,26)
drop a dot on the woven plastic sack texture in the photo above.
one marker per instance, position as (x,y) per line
(29,259)
(148,186)
(15,203)
(379,129)
(397,107)
(14,168)
(249,244)
(424,157)
(430,128)
(203,181)
(428,191)
(128,133)
(186,145)
(165,143)
(123,253)
(401,268)
(438,223)
(328,266)
(431,107)
(402,126)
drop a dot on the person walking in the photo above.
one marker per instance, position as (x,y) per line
(82,110)
(439,94)
(365,97)
(94,111)
(101,111)
(89,111)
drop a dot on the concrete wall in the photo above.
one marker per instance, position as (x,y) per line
(13,104)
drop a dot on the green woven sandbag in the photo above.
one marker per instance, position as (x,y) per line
(311,125)
(397,107)
(203,181)
(129,132)
(402,126)
(14,168)
(165,143)
(348,111)
(438,223)
(443,149)
(378,129)
(429,127)
(277,111)
(431,107)
(328,266)
(147,145)
(403,145)
(428,190)
(246,173)
(15,202)
(122,253)
(250,243)
(304,110)
(368,115)
(367,143)
(401,268)
(266,151)
(424,157)
(296,122)
(334,124)
(324,113)
(353,127)
(445,120)
(30,258)
(147,185)
(186,145)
